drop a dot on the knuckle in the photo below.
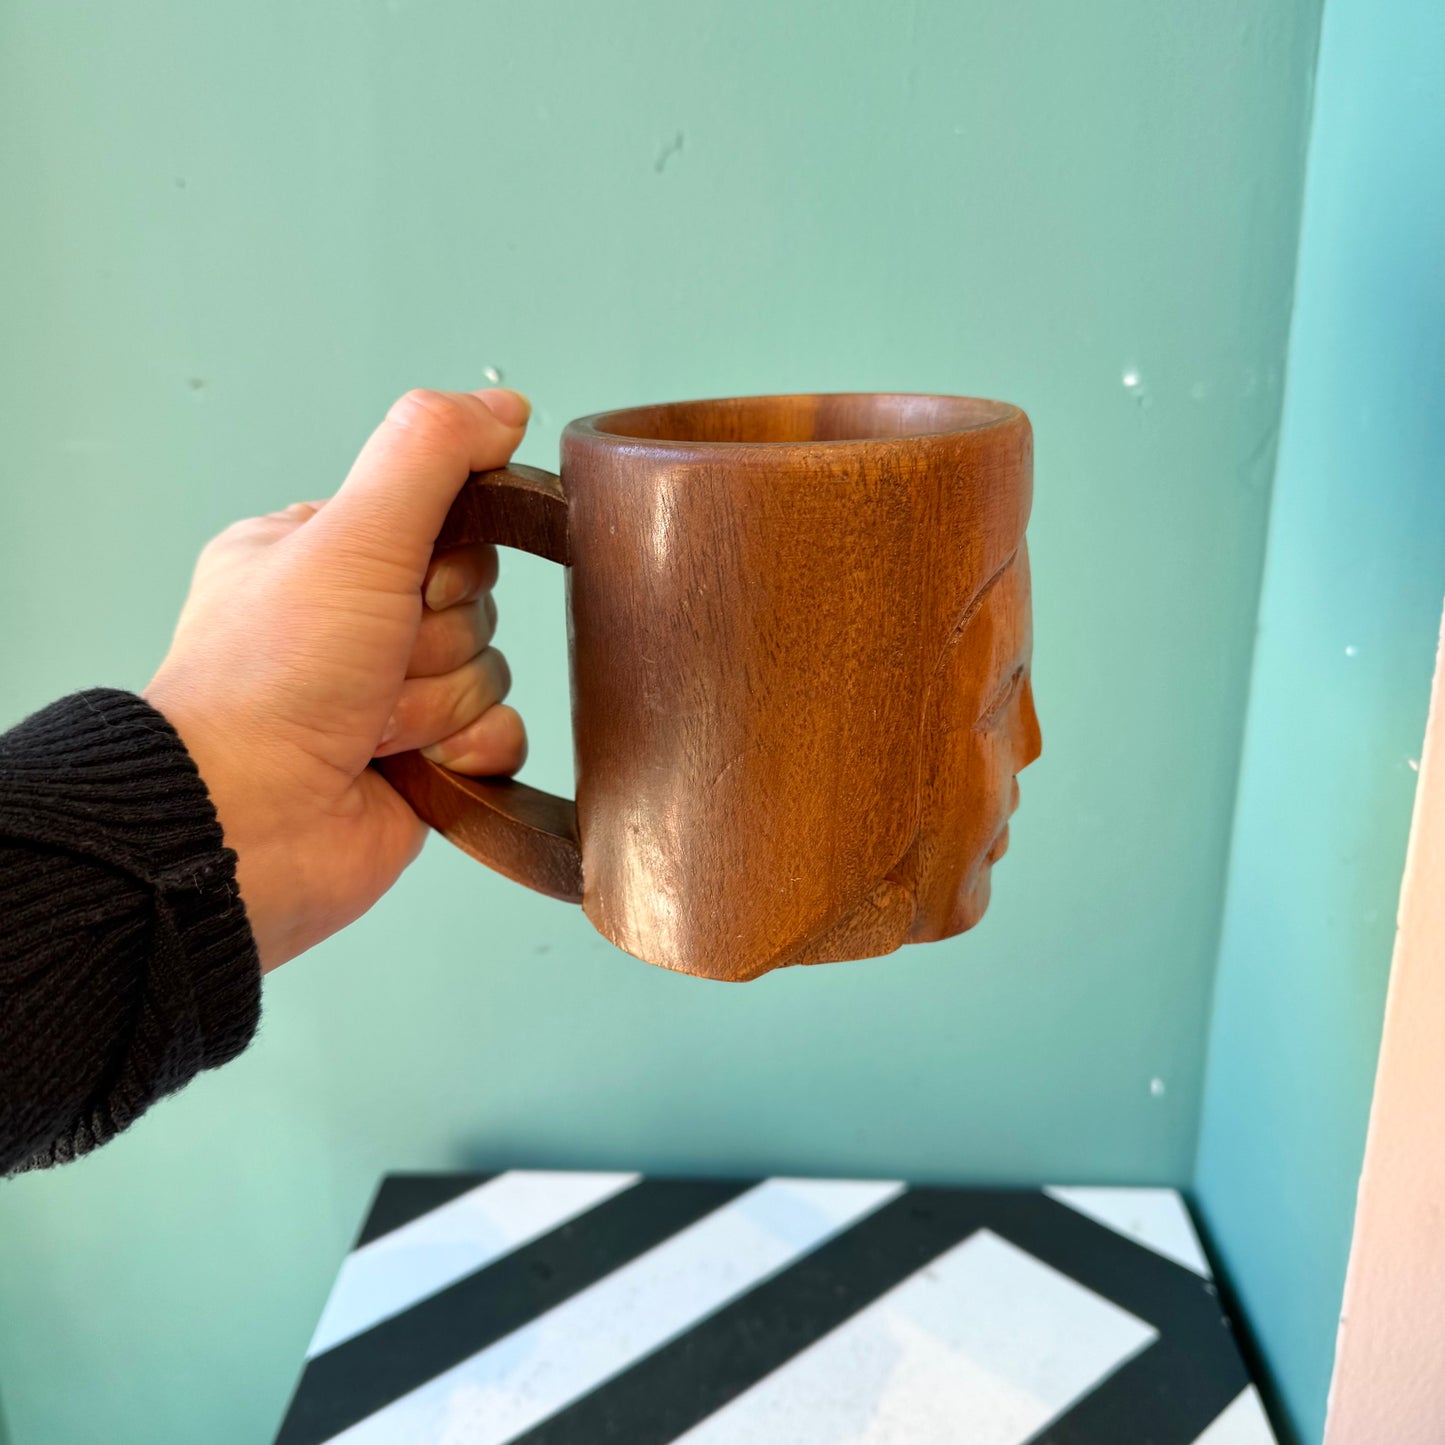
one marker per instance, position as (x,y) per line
(435,417)
(239,532)
(213,549)
(501,674)
(475,629)
(446,641)
(455,637)
(485,683)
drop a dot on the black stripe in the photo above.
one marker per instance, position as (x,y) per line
(363,1374)
(404,1197)
(1135,1277)
(1163,1396)
(1166,1395)
(699,1372)
(1171,1392)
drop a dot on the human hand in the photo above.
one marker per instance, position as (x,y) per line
(305,649)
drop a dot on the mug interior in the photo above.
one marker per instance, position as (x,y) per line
(836,417)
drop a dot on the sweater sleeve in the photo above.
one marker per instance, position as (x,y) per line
(127,963)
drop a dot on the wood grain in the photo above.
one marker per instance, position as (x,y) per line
(513,506)
(801,645)
(521,832)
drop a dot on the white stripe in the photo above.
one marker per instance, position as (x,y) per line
(1243,1423)
(1155,1218)
(986,1345)
(558,1357)
(397,1270)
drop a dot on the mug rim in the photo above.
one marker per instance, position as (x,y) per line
(593,426)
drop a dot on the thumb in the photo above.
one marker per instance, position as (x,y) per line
(400,488)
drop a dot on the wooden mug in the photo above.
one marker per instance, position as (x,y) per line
(800,642)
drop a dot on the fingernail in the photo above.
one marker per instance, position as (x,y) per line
(446,586)
(510,408)
(390,730)
(435,754)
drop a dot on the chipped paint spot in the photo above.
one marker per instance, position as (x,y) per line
(672,148)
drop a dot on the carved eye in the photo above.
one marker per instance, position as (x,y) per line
(1003,695)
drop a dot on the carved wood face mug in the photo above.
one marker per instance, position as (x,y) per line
(800,645)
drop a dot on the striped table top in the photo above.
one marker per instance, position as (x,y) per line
(565,1308)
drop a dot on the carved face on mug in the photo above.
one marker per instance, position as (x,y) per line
(980,732)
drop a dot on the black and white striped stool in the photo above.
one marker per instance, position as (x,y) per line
(576,1308)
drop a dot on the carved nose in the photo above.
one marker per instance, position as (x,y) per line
(1031,736)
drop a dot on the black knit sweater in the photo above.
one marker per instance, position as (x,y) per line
(127,963)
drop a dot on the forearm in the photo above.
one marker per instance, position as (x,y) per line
(127,963)
(313,640)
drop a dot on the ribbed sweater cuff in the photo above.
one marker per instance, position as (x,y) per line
(103,774)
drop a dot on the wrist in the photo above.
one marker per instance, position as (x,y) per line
(256,823)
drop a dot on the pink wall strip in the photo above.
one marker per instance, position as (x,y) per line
(1389,1380)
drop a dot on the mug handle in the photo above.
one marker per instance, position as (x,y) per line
(521,832)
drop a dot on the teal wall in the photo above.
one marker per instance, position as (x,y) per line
(236,231)
(1348,622)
